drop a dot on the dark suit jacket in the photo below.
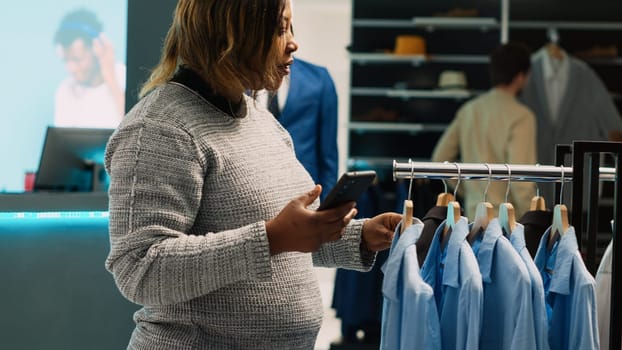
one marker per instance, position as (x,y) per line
(310,116)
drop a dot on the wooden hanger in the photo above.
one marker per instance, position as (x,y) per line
(552,47)
(537,203)
(407,213)
(443,199)
(507,215)
(484,212)
(507,218)
(453,209)
(560,217)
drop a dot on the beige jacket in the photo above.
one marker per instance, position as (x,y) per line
(492,128)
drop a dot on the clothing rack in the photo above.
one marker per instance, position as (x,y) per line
(558,174)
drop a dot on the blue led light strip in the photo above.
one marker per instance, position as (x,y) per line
(55,215)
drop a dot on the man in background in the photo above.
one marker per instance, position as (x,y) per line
(93,95)
(495,128)
(306,105)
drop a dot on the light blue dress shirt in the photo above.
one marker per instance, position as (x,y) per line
(409,315)
(508,310)
(453,274)
(517,238)
(570,294)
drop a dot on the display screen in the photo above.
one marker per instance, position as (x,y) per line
(64,66)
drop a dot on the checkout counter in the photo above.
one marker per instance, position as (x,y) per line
(54,290)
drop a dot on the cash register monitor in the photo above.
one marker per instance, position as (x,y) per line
(72,160)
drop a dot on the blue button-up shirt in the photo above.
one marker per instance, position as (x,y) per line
(409,315)
(517,238)
(458,289)
(570,293)
(508,310)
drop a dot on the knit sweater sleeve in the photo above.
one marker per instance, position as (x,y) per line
(155,194)
(347,252)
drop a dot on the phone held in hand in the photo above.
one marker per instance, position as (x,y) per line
(350,187)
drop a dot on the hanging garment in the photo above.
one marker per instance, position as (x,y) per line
(603,296)
(570,294)
(453,273)
(508,321)
(431,221)
(409,315)
(585,109)
(492,128)
(535,223)
(517,238)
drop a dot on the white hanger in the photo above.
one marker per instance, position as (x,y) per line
(507,215)
(483,212)
(407,214)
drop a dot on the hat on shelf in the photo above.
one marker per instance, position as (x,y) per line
(409,45)
(452,80)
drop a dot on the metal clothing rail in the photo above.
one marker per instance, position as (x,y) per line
(481,171)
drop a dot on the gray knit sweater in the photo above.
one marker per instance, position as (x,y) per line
(191,188)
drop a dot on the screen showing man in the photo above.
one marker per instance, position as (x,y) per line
(92,95)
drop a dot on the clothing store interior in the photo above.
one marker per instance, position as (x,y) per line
(493,127)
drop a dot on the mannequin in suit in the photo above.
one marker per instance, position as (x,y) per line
(307,108)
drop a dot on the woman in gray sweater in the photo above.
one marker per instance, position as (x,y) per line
(213,225)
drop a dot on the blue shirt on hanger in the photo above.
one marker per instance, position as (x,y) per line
(517,238)
(409,315)
(457,285)
(570,293)
(508,309)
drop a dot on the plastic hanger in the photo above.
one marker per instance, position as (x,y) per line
(560,217)
(483,213)
(507,215)
(453,208)
(409,207)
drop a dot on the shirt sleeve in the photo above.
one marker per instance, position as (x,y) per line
(155,193)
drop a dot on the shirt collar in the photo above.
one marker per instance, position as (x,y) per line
(566,251)
(456,240)
(193,81)
(393,265)
(549,68)
(487,247)
(517,238)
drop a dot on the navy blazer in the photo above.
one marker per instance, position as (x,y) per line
(310,116)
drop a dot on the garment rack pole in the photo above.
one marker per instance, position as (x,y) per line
(481,171)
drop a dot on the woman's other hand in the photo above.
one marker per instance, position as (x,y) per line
(378,231)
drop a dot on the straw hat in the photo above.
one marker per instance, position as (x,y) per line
(409,45)
(452,80)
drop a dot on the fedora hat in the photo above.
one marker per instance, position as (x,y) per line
(409,45)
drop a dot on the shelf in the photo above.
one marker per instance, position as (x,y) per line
(430,23)
(569,25)
(401,93)
(416,60)
(617,61)
(396,127)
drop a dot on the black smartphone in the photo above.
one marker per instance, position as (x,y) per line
(350,187)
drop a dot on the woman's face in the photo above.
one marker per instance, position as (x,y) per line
(286,41)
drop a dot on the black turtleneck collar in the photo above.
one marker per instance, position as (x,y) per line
(190,79)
